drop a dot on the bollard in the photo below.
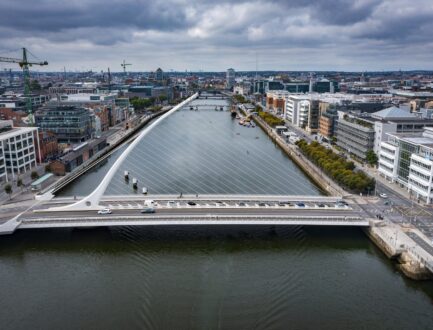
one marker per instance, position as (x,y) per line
(134,183)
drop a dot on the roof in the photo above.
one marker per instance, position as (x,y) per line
(42,179)
(393,113)
(16,131)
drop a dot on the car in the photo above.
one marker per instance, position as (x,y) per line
(262,204)
(300,205)
(241,204)
(383,195)
(321,205)
(191,203)
(148,210)
(342,202)
(171,203)
(104,211)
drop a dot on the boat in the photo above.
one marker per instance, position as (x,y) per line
(144,190)
(191,108)
(216,108)
(238,117)
(221,108)
(196,108)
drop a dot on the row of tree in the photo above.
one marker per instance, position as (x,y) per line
(269,118)
(141,104)
(338,168)
(239,98)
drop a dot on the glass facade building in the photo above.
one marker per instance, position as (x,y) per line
(70,123)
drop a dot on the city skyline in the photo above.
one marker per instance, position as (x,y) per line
(371,35)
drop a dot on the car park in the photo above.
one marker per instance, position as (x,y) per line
(104,211)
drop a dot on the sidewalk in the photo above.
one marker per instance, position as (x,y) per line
(24,189)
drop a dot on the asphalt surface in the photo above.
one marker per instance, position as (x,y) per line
(196,211)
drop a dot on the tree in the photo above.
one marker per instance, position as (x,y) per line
(35,86)
(8,190)
(34,175)
(19,182)
(371,157)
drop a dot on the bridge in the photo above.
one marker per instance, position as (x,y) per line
(192,210)
(52,212)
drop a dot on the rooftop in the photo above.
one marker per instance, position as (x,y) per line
(393,113)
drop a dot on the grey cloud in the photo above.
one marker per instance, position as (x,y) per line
(325,31)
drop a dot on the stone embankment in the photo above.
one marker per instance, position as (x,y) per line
(394,242)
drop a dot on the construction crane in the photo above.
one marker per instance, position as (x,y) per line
(109,81)
(25,64)
(124,65)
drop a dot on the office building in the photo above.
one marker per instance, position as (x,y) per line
(71,123)
(230,78)
(17,150)
(407,159)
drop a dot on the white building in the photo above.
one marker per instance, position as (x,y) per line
(407,159)
(17,149)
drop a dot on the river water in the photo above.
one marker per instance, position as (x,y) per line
(269,277)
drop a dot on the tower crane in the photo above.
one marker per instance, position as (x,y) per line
(124,65)
(25,64)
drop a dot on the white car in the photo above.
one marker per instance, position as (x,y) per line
(104,211)
(383,195)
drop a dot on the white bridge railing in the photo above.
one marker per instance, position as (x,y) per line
(190,219)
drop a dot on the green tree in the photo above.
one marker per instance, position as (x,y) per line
(371,157)
(19,183)
(8,190)
(35,86)
(34,175)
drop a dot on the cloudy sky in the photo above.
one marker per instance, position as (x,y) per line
(213,35)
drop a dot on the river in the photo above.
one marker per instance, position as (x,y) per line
(254,277)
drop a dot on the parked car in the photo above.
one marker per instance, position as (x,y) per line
(104,211)
(321,205)
(148,210)
(300,205)
(241,204)
(383,195)
(191,203)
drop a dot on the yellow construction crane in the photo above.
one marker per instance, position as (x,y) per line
(25,64)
